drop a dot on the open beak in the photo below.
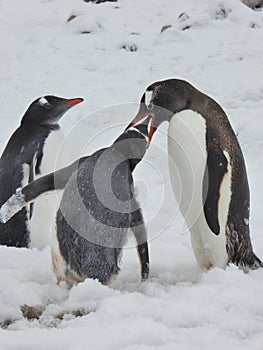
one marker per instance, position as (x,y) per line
(146,119)
(74,101)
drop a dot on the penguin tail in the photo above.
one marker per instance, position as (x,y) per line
(250,263)
(253,263)
(257,263)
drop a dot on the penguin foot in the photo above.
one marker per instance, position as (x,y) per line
(257,263)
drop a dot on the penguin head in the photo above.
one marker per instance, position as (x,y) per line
(48,110)
(135,140)
(163,99)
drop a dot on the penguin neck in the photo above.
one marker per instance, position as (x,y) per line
(46,125)
(133,145)
(51,127)
(33,118)
(200,103)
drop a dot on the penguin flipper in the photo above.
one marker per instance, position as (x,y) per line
(31,179)
(216,168)
(51,182)
(46,184)
(139,231)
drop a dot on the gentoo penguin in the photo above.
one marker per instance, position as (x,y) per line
(96,210)
(207,172)
(22,158)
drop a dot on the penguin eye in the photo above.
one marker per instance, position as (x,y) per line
(150,106)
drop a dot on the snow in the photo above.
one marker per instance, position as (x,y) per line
(109,53)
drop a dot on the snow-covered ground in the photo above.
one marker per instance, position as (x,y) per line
(108,54)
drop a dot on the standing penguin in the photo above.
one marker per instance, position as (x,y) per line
(207,172)
(96,210)
(22,158)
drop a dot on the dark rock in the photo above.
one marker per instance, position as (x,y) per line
(165,28)
(5,324)
(76,313)
(131,48)
(221,13)
(71,18)
(100,1)
(254,4)
(186,27)
(183,17)
(32,312)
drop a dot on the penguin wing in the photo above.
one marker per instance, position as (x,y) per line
(43,185)
(139,230)
(52,182)
(31,178)
(216,168)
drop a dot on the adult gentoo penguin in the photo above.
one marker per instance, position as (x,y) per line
(21,160)
(207,172)
(96,210)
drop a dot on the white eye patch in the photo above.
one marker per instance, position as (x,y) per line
(148,98)
(42,101)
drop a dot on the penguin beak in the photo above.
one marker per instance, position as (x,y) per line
(146,119)
(74,101)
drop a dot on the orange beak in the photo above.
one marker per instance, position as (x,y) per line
(142,120)
(74,101)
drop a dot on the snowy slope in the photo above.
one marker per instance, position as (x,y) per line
(108,54)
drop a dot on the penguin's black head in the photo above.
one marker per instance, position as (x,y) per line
(163,99)
(135,140)
(48,110)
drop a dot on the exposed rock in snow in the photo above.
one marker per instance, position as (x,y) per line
(254,4)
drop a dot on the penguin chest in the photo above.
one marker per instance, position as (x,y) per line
(44,210)
(51,148)
(187,152)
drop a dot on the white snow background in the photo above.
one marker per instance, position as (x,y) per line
(108,55)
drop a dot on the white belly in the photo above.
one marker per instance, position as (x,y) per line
(45,207)
(187,163)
